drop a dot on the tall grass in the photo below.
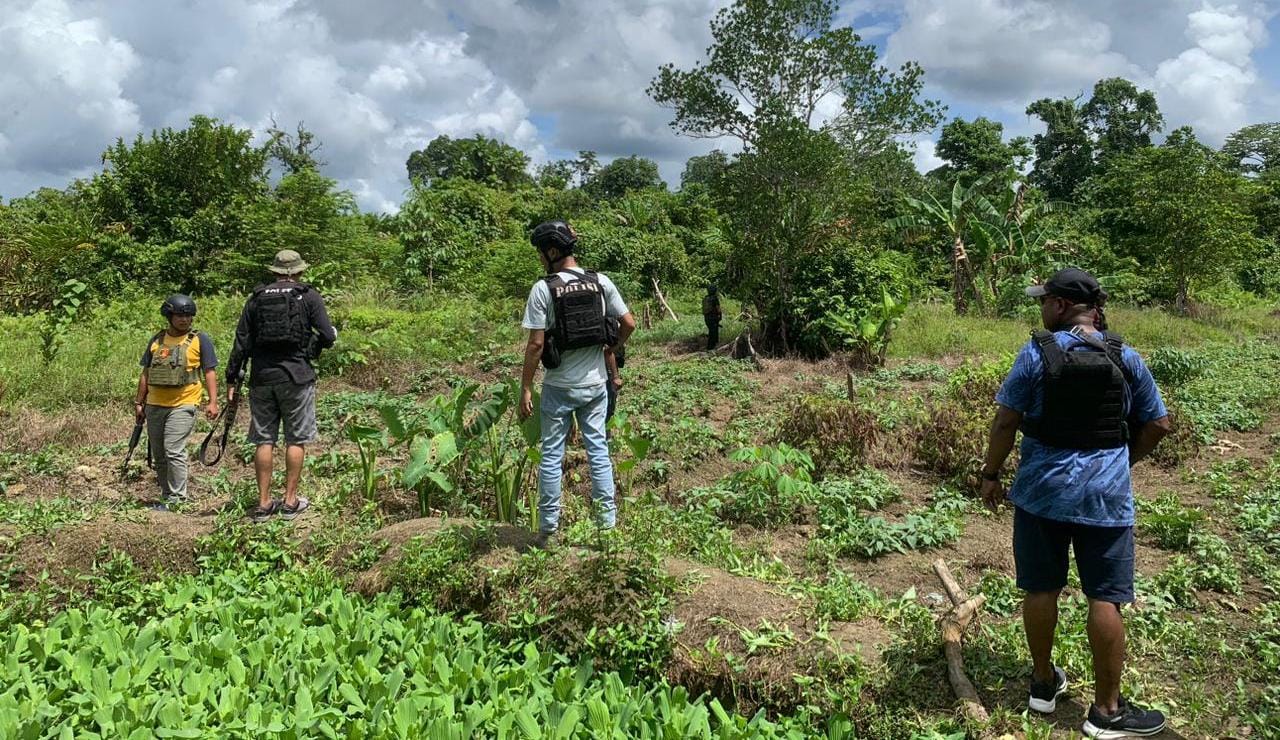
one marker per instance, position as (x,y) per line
(932,330)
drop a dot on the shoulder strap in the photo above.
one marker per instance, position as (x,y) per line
(1049,349)
(1115,351)
(591,276)
(155,339)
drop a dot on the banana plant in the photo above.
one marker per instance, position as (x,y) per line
(930,216)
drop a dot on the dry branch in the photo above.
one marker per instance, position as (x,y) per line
(658,293)
(953,625)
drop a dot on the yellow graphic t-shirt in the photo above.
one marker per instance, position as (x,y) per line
(199,355)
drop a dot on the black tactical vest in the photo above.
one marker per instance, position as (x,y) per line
(1084,393)
(580,313)
(281,317)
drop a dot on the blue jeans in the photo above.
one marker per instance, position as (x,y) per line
(558,407)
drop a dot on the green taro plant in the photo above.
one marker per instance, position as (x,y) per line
(428,465)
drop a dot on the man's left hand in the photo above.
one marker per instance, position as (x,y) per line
(992,493)
(617,382)
(211,411)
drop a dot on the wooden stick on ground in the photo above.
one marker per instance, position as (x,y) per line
(953,624)
(657,292)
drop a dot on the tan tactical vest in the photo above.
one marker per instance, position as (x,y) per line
(169,364)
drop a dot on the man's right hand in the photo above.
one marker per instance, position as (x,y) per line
(139,412)
(526,403)
(992,493)
(231,392)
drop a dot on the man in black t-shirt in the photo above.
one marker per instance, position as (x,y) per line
(283,327)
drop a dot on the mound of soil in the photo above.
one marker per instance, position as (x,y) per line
(157,542)
(508,543)
(715,614)
(719,613)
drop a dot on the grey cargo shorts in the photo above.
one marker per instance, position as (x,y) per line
(295,405)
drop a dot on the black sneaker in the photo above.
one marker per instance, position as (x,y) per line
(1128,721)
(1044,696)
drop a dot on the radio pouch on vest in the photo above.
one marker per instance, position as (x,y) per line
(281,318)
(1084,392)
(168,368)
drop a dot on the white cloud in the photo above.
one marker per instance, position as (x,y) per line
(999,55)
(997,51)
(62,96)
(926,156)
(1210,84)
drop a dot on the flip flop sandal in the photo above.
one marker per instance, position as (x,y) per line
(287,512)
(261,514)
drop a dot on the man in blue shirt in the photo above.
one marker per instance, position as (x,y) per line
(1089,410)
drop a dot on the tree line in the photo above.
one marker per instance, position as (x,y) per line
(819,223)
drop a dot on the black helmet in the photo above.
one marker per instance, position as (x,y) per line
(178,305)
(556,234)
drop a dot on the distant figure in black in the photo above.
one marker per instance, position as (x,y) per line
(711,315)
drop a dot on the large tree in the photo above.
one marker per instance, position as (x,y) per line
(1179,211)
(479,158)
(1080,140)
(809,102)
(974,149)
(157,184)
(1121,118)
(704,169)
(623,175)
(1064,152)
(1255,149)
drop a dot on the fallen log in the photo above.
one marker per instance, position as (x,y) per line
(953,625)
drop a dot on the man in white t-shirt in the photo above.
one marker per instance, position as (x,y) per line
(580,357)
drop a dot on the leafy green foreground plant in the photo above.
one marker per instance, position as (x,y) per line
(773,491)
(63,315)
(246,654)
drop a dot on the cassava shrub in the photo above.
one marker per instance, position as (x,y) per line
(836,432)
(953,438)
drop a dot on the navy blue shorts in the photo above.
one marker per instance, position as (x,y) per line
(1104,557)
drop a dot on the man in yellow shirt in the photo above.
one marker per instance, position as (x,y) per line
(174,364)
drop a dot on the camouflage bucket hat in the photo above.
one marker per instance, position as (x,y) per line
(288,262)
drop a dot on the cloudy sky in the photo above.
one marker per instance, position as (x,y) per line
(378,79)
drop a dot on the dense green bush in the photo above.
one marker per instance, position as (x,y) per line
(845,280)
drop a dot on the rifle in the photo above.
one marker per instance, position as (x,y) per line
(228,417)
(134,438)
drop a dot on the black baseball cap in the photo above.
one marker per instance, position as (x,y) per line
(1072,284)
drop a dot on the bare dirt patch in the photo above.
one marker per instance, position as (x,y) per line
(157,542)
(718,615)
